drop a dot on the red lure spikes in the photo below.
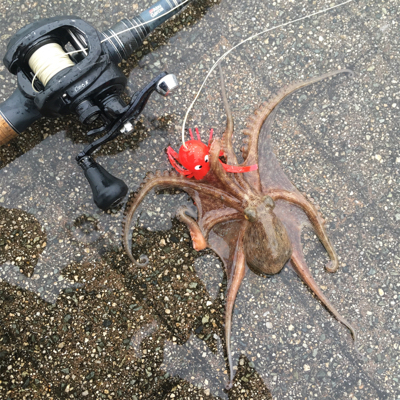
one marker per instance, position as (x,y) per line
(193,158)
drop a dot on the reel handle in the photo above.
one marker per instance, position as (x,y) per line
(107,190)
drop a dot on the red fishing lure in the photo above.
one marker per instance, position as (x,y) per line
(194,161)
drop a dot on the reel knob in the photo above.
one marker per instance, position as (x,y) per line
(167,84)
(107,190)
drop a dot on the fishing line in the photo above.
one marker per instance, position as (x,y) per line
(45,70)
(53,59)
(47,61)
(244,41)
(50,59)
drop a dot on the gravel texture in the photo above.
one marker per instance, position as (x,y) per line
(78,321)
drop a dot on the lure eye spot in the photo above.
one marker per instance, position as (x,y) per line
(206,158)
(197,167)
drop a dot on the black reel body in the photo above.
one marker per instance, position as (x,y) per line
(90,88)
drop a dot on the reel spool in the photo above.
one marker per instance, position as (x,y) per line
(48,61)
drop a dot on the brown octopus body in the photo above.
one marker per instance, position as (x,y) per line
(252,219)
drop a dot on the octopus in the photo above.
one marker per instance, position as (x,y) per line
(252,220)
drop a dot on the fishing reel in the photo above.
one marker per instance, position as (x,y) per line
(65,66)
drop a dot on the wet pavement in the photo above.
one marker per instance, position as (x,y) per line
(77,321)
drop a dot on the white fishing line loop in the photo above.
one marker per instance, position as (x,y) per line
(247,40)
(47,61)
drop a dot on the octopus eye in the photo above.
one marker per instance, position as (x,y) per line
(268,202)
(250,214)
(197,167)
(206,158)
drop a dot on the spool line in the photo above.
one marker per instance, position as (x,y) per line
(47,61)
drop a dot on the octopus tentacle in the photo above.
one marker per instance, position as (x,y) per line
(227,137)
(315,218)
(301,268)
(225,178)
(226,140)
(211,219)
(228,133)
(235,280)
(169,179)
(198,238)
(255,121)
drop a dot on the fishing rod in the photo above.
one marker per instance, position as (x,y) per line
(65,66)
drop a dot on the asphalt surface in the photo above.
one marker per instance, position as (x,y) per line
(79,322)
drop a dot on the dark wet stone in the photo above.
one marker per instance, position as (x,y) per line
(199,329)
(174,239)
(380,371)
(26,382)
(6,339)
(89,376)
(68,317)
(107,323)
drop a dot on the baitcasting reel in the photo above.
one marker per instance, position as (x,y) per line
(65,66)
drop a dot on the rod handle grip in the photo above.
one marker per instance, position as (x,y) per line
(6,132)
